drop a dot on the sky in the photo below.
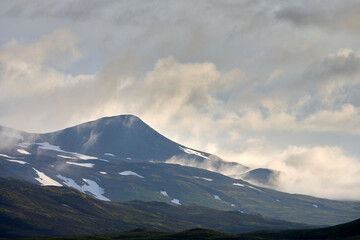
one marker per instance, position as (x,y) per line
(270,84)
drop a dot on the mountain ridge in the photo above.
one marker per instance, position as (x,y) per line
(107,176)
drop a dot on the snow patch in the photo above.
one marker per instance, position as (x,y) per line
(17,161)
(315,206)
(253,188)
(207,179)
(217,197)
(48,146)
(238,184)
(104,160)
(277,200)
(130,173)
(6,156)
(176,201)
(22,151)
(45,180)
(109,154)
(164,193)
(233,205)
(242,185)
(85,157)
(190,151)
(104,173)
(88,186)
(87,165)
(128,158)
(67,157)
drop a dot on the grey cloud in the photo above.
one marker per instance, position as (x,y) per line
(338,16)
(74,10)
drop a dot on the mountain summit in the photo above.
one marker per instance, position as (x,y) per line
(124,136)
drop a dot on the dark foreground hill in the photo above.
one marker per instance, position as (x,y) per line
(30,210)
(344,231)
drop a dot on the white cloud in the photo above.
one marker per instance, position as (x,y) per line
(319,171)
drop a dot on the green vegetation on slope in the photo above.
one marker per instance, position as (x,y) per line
(31,210)
(344,231)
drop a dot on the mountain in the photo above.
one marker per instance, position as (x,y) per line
(262,177)
(30,210)
(91,157)
(122,138)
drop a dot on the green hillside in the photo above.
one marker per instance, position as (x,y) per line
(30,210)
(348,231)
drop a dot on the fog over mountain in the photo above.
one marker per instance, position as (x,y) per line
(265,84)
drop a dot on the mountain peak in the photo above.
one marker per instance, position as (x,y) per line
(125,136)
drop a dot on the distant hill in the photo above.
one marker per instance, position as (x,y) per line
(348,231)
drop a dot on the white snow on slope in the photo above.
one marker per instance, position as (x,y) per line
(87,165)
(104,173)
(104,160)
(88,186)
(17,161)
(207,179)
(164,193)
(6,156)
(253,188)
(22,151)
(84,157)
(176,201)
(190,151)
(67,157)
(109,154)
(48,146)
(242,185)
(45,180)
(316,206)
(94,188)
(217,197)
(130,173)
(238,184)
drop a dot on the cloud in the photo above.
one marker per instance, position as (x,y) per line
(337,17)
(325,171)
(214,164)
(30,84)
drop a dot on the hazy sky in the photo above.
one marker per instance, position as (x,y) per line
(265,83)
